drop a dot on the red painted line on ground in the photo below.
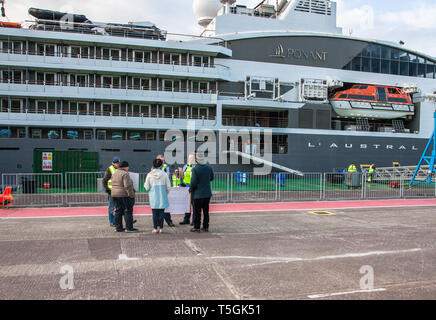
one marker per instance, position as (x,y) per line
(220,208)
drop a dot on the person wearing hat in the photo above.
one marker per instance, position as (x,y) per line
(123,194)
(201,192)
(107,185)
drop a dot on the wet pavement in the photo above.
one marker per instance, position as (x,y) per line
(360,253)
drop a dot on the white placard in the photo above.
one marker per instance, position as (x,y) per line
(47,161)
(179,200)
(135,178)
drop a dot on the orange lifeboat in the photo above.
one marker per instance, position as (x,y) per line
(369,101)
(4,24)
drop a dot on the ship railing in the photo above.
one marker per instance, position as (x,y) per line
(64,111)
(35,189)
(112,86)
(84,58)
(86,189)
(258,121)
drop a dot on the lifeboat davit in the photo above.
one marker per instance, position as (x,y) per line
(369,101)
(10,24)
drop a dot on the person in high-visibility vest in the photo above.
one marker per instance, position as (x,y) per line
(175,179)
(166,169)
(187,176)
(352,168)
(107,185)
(371,173)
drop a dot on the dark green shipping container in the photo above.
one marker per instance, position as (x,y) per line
(66,161)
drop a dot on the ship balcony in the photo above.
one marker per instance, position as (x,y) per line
(105,92)
(20,116)
(109,64)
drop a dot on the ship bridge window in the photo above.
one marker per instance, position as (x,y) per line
(393,91)
(421,70)
(430,71)
(366,64)
(383,59)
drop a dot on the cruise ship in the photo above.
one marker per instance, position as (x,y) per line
(320,99)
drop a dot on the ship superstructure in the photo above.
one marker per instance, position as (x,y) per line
(68,83)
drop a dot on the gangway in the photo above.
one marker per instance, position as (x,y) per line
(397,173)
(266,162)
(429,159)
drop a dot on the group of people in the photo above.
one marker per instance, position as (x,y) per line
(195,175)
(371,171)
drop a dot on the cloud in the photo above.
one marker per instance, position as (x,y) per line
(415,26)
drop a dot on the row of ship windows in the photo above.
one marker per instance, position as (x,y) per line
(103,53)
(107,109)
(75,134)
(105,81)
(279,142)
(372,98)
(403,68)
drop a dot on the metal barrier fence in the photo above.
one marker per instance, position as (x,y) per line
(85,188)
(35,189)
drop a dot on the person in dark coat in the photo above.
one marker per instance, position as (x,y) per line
(201,192)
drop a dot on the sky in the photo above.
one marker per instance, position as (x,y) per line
(412,22)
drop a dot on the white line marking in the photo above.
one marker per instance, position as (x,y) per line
(125,257)
(325,295)
(341,256)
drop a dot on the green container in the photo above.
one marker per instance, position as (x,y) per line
(65,161)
